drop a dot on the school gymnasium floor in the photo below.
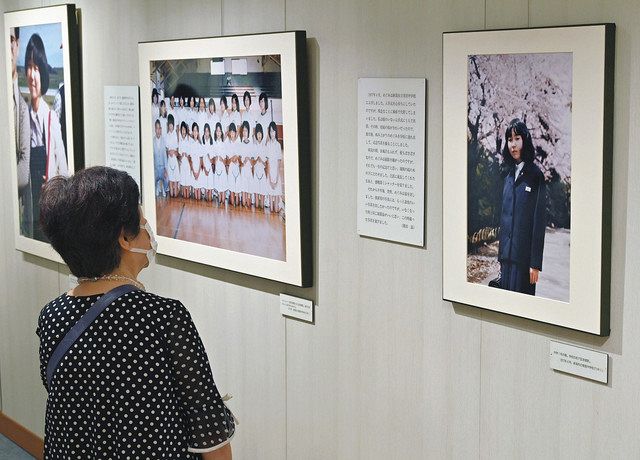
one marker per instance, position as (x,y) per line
(249,231)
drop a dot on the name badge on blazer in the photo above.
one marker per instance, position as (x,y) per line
(527,189)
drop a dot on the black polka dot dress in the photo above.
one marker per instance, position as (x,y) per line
(135,385)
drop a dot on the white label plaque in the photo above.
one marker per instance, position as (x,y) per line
(580,361)
(296,307)
(391,137)
(122,129)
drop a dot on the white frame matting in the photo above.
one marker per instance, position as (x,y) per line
(591,141)
(294,269)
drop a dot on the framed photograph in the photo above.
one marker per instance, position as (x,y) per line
(527,151)
(44,106)
(225,154)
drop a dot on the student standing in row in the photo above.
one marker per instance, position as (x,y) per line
(173,168)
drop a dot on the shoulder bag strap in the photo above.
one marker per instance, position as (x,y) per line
(83,323)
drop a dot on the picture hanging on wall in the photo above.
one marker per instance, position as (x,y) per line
(225,154)
(527,151)
(44,111)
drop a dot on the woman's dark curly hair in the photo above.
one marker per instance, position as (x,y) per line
(84,215)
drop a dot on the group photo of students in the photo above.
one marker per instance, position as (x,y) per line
(218,162)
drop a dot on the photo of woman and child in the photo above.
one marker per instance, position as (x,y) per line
(219,163)
(37,78)
(519,172)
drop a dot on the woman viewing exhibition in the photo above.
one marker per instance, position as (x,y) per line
(134,382)
(522,219)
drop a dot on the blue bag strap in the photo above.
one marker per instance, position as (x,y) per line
(83,323)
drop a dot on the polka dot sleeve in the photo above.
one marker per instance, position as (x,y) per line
(210,424)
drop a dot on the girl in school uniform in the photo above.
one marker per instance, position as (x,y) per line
(155,107)
(163,116)
(171,106)
(259,168)
(246,153)
(173,169)
(523,218)
(191,114)
(47,151)
(201,118)
(225,118)
(207,155)
(235,116)
(220,182)
(184,146)
(195,155)
(212,118)
(264,116)
(179,114)
(276,168)
(248,114)
(234,164)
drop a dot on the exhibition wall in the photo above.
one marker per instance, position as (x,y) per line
(388,369)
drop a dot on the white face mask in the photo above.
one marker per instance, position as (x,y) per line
(151,252)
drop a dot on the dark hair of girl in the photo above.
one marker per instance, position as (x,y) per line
(245,96)
(84,215)
(246,128)
(154,94)
(516,126)
(273,126)
(204,131)
(212,103)
(232,127)
(265,98)
(170,120)
(219,125)
(185,126)
(223,100)
(234,98)
(35,53)
(258,129)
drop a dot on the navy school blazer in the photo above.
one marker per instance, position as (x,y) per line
(523,217)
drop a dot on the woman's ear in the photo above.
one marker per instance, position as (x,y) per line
(124,241)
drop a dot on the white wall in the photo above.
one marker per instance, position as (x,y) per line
(388,370)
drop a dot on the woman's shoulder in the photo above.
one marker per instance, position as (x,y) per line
(166,305)
(58,305)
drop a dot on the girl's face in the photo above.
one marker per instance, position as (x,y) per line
(172,102)
(202,106)
(155,99)
(169,128)
(183,132)
(247,102)
(223,106)
(212,108)
(196,133)
(259,136)
(232,135)
(158,130)
(263,104)
(218,133)
(234,105)
(33,81)
(192,102)
(272,133)
(207,133)
(181,102)
(515,146)
(245,134)
(163,110)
